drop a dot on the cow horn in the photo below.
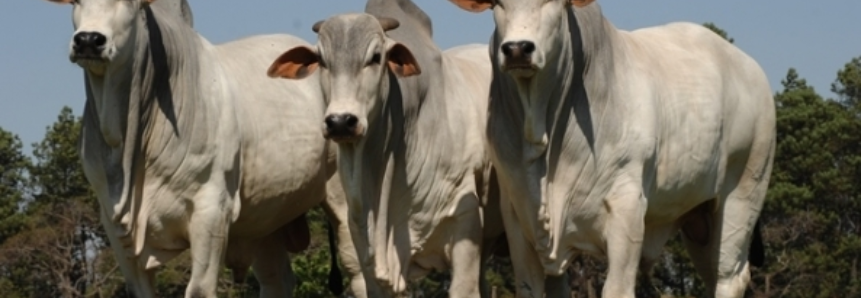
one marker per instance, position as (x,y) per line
(388,23)
(317,25)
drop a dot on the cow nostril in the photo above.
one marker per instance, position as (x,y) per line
(331,121)
(506,48)
(527,47)
(352,121)
(99,40)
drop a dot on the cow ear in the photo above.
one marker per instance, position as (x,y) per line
(297,63)
(62,1)
(147,2)
(473,5)
(402,62)
(581,3)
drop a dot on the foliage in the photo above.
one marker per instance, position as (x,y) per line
(52,244)
(13,165)
(714,28)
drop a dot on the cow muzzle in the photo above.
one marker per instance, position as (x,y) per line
(518,57)
(343,128)
(88,46)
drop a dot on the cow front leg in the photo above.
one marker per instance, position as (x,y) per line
(207,230)
(140,281)
(529,278)
(624,228)
(466,251)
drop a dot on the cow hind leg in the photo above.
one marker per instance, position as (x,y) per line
(722,261)
(208,229)
(272,265)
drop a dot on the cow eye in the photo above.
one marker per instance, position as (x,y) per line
(375,59)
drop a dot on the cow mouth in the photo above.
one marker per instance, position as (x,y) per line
(343,139)
(87,57)
(521,69)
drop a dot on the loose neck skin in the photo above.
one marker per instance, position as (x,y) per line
(559,113)
(576,69)
(144,89)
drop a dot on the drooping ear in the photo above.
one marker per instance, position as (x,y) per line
(402,62)
(581,3)
(297,63)
(473,5)
(61,1)
(147,2)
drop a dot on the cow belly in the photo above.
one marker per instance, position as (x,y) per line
(259,217)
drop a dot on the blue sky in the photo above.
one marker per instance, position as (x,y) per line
(37,79)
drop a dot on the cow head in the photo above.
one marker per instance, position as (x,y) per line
(104,31)
(528,30)
(353,55)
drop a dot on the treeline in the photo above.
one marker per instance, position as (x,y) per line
(52,244)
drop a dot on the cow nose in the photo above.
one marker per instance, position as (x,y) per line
(91,40)
(517,49)
(341,125)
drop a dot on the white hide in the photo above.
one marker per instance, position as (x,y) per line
(189,145)
(612,139)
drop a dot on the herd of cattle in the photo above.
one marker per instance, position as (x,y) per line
(563,135)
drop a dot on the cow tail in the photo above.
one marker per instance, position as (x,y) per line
(336,280)
(756,256)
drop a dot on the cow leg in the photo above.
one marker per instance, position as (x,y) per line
(238,258)
(272,265)
(623,230)
(528,271)
(140,281)
(722,262)
(466,251)
(336,211)
(207,230)
(558,285)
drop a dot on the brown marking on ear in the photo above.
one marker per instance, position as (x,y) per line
(581,3)
(297,63)
(402,62)
(317,26)
(61,1)
(388,23)
(475,6)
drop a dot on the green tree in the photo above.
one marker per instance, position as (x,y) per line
(55,252)
(848,84)
(811,216)
(13,186)
(717,30)
(57,174)
(13,167)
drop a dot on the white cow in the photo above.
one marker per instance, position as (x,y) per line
(186,143)
(408,119)
(609,142)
